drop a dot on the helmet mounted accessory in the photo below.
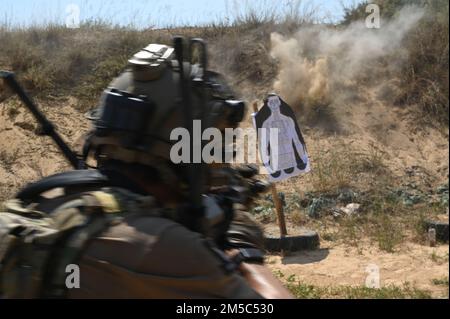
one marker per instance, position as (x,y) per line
(149,63)
(125,112)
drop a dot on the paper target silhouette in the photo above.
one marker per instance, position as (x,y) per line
(281,144)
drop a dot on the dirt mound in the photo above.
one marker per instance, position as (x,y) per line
(24,156)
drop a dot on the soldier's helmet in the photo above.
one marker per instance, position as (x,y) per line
(140,108)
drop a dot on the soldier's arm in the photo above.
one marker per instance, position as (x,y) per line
(191,258)
(261,279)
(205,271)
(246,233)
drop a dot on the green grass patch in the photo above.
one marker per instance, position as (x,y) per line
(406,291)
(440,281)
(302,290)
(439,259)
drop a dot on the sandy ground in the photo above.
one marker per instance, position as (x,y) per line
(333,265)
(26,157)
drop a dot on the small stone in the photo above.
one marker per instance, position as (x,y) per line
(258,209)
(351,209)
(336,212)
(432,237)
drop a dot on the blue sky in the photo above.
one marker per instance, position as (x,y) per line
(141,13)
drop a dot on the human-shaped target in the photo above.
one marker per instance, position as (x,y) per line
(283,150)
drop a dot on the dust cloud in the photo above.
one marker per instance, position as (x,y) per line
(316,58)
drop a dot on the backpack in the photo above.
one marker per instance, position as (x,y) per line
(37,245)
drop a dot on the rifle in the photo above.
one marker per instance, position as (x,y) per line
(196,171)
(47,128)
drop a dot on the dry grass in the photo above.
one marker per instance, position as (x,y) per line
(8,158)
(55,60)
(439,259)
(384,217)
(344,166)
(385,222)
(424,78)
(440,281)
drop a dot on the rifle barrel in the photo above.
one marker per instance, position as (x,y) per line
(47,127)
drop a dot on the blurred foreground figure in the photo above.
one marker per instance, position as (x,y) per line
(140,225)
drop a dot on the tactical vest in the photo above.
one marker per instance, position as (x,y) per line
(37,244)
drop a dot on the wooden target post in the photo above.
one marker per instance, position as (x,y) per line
(276,198)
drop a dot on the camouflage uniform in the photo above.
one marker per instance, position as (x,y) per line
(126,244)
(153,257)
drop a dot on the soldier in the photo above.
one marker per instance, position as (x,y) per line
(138,225)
